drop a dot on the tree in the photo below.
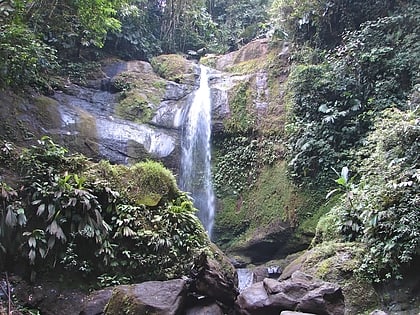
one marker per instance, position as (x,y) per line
(69,25)
(321,22)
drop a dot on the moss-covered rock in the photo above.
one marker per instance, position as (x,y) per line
(152,298)
(141,91)
(270,219)
(336,262)
(214,276)
(148,183)
(175,68)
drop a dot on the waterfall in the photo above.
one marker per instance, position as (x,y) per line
(195,170)
(245,278)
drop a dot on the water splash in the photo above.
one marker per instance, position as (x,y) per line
(195,172)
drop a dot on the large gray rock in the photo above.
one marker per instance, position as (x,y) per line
(299,293)
(212,309)
(95,303)
(294,313)
(152,297)
(216,278)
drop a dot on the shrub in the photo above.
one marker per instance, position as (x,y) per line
(96,218)
(24,59)
(335,97)
(385,204)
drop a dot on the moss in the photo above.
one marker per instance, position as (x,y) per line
(273,201)
(148,183)
(242,118)
(123,302)
(140,95)
(209,60)
(174,68)
(135,107)
(248,67)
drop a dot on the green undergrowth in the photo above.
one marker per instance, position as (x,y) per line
(116,223)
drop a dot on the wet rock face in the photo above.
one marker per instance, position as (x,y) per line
(301,293)
(89,126)
(252,50)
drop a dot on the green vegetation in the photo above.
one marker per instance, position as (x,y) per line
(334,101)
(242,117)
(24,59)
(238,161)
(322,23)
(351,100)
(382,210)
(35,33)
(349,104)
(115,222)
(264,202)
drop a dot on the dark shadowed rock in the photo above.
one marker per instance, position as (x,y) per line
(299,293)
(216,277)
(152,297)
(50,298)
(212,309)
(95,303)
(295,313)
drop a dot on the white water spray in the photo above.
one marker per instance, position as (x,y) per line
(195,172)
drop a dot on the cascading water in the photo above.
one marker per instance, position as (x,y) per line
(195,171)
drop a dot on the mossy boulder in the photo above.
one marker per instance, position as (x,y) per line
(141,91)
(175,68)
(214,276)
(25,119)
(148,183)
(337,262)
(152,297)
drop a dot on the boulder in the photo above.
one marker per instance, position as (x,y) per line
(253,50)
(211,309)
(299,293)
(215,277)
(336,262)
(152,297)
(95,303)
(49,297)
(294,313)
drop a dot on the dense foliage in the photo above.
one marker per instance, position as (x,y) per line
(32,31)
(349,104)
(321,23)
(335,96)
(239,160)
(118,221)
(382,210)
